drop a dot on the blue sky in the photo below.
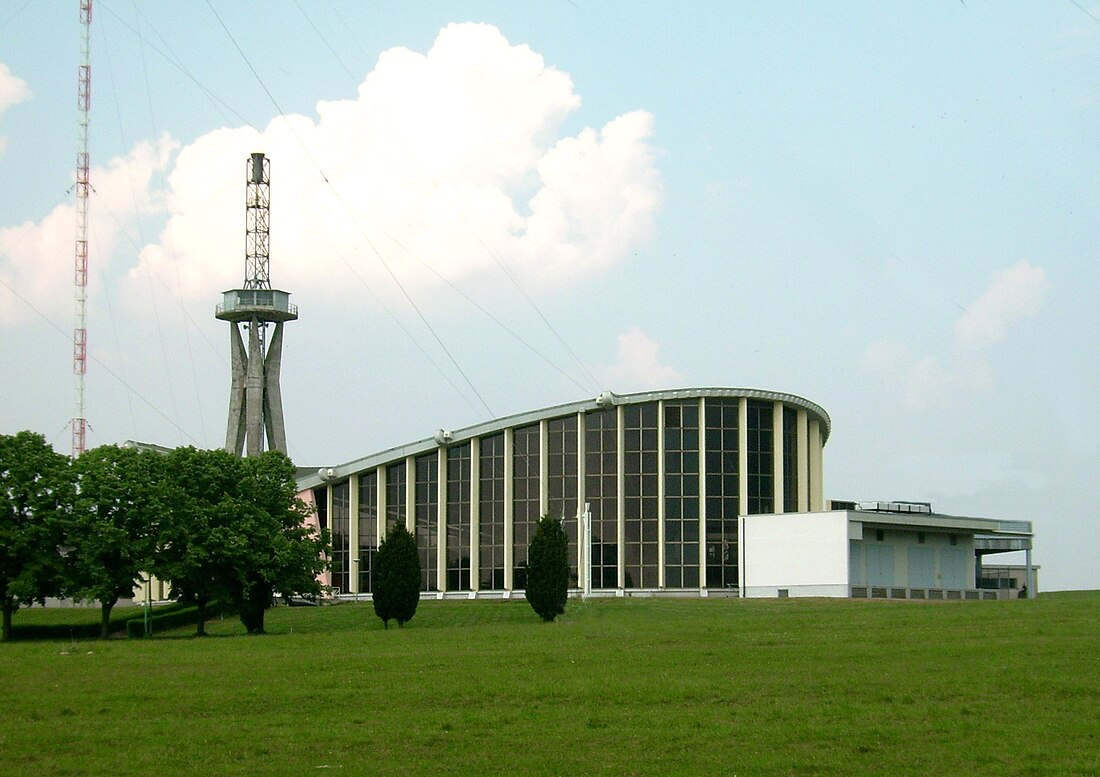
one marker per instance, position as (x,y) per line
(890,209)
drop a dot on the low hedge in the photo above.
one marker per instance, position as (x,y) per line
(89,630)
(62,630)
(170,616)
(164,619)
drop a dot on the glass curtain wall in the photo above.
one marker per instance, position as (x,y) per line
(601,488)
(561,481)
(426,512)
(341,537)
(458,518)
(395,494)
(682,495)
(320,502)
(790,460)
(368,527)
(689,560)
(491,514)
(525,499)
(761,458)
(641,516)
(723,491)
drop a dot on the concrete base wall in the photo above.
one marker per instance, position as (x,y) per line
(794,591)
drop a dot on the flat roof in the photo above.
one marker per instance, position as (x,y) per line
(980,526)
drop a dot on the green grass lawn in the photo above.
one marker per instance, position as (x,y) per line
(646,686)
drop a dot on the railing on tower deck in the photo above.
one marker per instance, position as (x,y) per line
(246,301)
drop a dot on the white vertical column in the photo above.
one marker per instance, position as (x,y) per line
(509,508)
(381,482)
(410,495)
(380,501)
(803,462)
(661,493)
(353,532)
(328,512)
(777,458)
(742,555)
(1029,572)
(817,500)
(584,549)
(544,467)
(441,519)
(620,500)
(380,508)
(743,457)
(702,494)
(584,546)
(475,514)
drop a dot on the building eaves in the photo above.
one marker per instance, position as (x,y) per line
(982,526)
(606,399)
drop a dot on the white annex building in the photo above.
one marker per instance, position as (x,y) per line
(702,492)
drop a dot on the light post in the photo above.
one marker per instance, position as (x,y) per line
(148,604)
(586,551)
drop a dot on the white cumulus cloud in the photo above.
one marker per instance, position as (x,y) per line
(448,162)
(1014,294)
(13,90)
(37,258)
(637,365)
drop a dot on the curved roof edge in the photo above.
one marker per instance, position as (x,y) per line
(606,399)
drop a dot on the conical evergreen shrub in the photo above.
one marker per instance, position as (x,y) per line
(396,583)
(548,569)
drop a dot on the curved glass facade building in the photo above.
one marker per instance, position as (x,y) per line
(661,478)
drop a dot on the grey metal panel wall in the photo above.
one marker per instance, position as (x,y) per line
(880,564)
(922,567)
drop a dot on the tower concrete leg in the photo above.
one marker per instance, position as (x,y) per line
(235,429)
(254,391)
(1029,574)
(273,399)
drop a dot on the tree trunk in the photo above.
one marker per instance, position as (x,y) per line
(105,616)
(253,606)
(200,630)
(9,608)
(258,609)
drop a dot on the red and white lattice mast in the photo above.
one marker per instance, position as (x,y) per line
(80,332)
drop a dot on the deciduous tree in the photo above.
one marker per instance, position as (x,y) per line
(280,552)
(197,545)
(120,499)
(237,533)
(35,488)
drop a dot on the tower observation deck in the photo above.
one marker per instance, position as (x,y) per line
(255,399)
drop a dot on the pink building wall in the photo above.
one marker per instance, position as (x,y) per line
(313,520)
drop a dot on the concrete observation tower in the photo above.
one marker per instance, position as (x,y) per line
(255,401)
